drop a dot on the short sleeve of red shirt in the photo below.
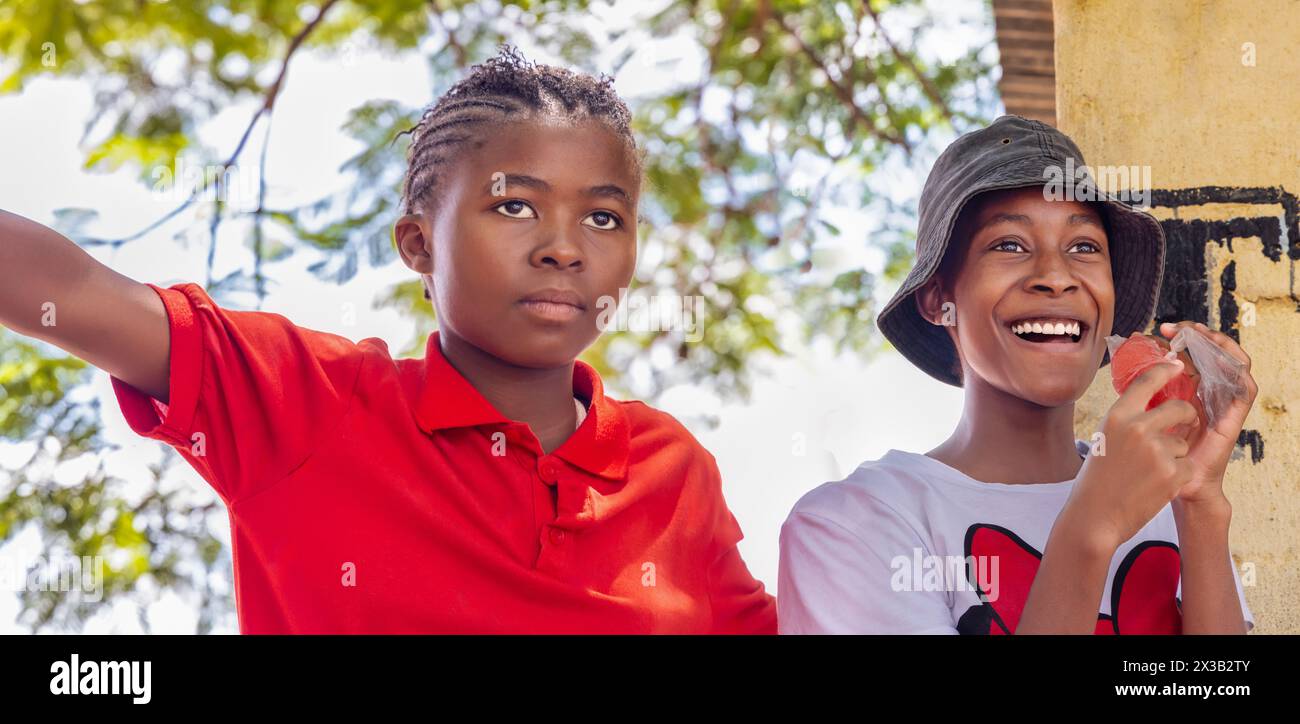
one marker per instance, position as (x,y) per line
(250,394)
(740,603)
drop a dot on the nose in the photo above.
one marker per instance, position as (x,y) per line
(1051,274)
(559,249)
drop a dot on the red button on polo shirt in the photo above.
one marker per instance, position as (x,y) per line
(374,495)
(546,469)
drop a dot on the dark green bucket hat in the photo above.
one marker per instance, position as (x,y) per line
(1014,152)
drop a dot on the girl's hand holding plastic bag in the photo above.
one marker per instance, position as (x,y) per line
(1225,392)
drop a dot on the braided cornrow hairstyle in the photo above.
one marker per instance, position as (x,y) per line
(504,88)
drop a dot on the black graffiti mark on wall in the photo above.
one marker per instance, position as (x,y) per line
(1185,293)
(1186,290)
(1255,441)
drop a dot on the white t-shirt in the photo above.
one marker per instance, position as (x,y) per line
(907,544)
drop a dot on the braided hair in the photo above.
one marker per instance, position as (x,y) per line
(504,88)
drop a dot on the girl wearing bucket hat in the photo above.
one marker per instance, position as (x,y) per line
(1012,525)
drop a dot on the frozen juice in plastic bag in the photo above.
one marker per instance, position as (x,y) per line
(1210,380)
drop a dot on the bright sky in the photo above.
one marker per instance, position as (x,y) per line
(841,411)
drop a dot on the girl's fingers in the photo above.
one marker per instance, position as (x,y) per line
(1227,344)
(1142,389)
(1252,389)
(1170,413)
(1223,341)
(1169,329)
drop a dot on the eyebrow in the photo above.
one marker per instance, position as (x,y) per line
(518,179)
(1076,219)
(611,191)
(1001,217)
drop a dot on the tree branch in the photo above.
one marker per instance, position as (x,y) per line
(259,282)
(457,49)
(845,94)
(272,92)
(927,84)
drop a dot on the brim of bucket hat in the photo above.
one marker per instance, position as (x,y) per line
(1137,250)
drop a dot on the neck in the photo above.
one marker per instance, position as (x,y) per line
(1003,438)
(540,398)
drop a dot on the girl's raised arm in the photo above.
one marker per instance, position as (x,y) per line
(54,291)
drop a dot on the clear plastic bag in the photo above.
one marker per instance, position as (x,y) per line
(1220,380)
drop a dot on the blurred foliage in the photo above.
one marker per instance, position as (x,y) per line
(781,110)
(157,533)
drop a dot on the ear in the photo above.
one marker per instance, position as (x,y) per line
(929,298)
(413,235)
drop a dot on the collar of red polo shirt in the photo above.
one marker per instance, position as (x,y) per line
(599,445)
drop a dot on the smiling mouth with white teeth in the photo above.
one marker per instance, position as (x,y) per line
(1049,329)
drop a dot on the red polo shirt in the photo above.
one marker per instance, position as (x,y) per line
(374,495)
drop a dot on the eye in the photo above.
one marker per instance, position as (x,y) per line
(603,220)
(515,209)
(1008,245)
(1088,247)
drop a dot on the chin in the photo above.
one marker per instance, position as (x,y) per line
(1053,393)
(538,351)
